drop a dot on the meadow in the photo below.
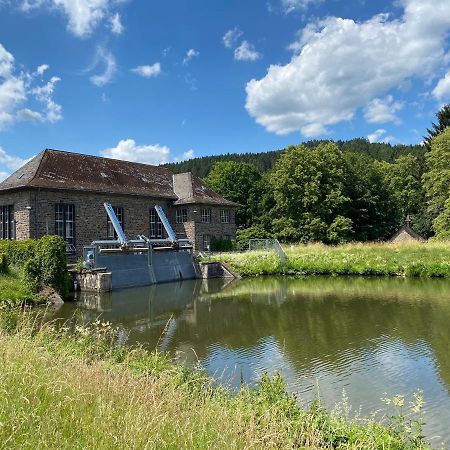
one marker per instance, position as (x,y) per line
(378,259)
(76,388)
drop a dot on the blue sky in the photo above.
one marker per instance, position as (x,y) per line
(161,81)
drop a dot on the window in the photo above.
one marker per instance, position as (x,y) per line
(181,215)
(206,216)
(206,242)
(156,226)
(65,223)
(110,231)
(7,225)
(224,216)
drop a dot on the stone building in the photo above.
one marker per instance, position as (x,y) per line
(63,193)
(406,233)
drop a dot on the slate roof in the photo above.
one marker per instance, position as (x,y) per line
(410,231)
(56,169)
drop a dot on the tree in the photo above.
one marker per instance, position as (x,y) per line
(436,180)
(443,122)
(308,186)
(403,178)
(239,182)
(371,207)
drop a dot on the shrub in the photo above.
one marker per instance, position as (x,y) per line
(219,244)
(4,268)
(243,236)
(43,262)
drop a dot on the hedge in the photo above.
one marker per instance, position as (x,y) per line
(4,268)
(43,262)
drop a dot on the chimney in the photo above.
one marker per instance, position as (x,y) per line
(182,185)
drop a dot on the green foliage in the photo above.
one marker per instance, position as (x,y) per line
(409,260)
(309,192)
(437,182)
(104,395)
(43,262)
(238,182)
(14,291)
(244,235)
(219,244)
(443,117)
(4,266)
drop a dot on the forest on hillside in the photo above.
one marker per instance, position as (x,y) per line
(265,161)
(335,192)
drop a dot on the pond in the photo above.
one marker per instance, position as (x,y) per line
(367,338)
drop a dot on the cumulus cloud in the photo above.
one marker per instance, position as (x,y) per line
(231,37)
(442,89)
(190,54)
(83,15)
(340,65)
(380,136)
(116,24)
(148,71)
(105,60)
(246,52)
(383,110)
(128,150)
(10,161)
(18,89)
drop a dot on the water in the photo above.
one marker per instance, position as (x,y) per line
(367,337)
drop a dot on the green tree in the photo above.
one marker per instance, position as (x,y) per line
(308,186)
(437,181)
(443,117)
(403,178)
(239,182)
(371,207)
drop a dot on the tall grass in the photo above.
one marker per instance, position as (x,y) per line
(382,259)
(77,389)
(13,290)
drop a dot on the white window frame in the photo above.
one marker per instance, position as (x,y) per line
(206,242)
(181,215)
(206,215)
(225,216)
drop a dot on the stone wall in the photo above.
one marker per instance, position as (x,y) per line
(22,212)
(91,217)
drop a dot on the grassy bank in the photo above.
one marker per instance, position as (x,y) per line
(13,290)
(410,260)
(80,390)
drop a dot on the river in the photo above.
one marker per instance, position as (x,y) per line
(330,337)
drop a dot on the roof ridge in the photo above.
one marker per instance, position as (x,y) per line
(40,164)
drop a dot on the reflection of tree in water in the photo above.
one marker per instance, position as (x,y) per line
(322,319)
(311,319)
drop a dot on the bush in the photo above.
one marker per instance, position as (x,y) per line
(255,232)
(43,262)
(4,268)
(219,244)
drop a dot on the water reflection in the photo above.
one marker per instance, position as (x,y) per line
(367,336)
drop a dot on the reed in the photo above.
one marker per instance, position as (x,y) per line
(380,259)
(75,387)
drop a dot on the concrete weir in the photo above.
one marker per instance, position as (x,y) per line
(123,263)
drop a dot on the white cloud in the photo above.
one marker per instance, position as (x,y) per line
(190,54)
(103,58)
(292,5)
(246,52)
(383,110)
(442,89)
(231,37)
(188,155)
(11,162)
(83,15)
(42,68)
(147,154)
(380,136)
(3,176)
(116,24)
(16,90)
(341,65)
(148,71)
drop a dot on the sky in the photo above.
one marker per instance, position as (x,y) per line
(161,81)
